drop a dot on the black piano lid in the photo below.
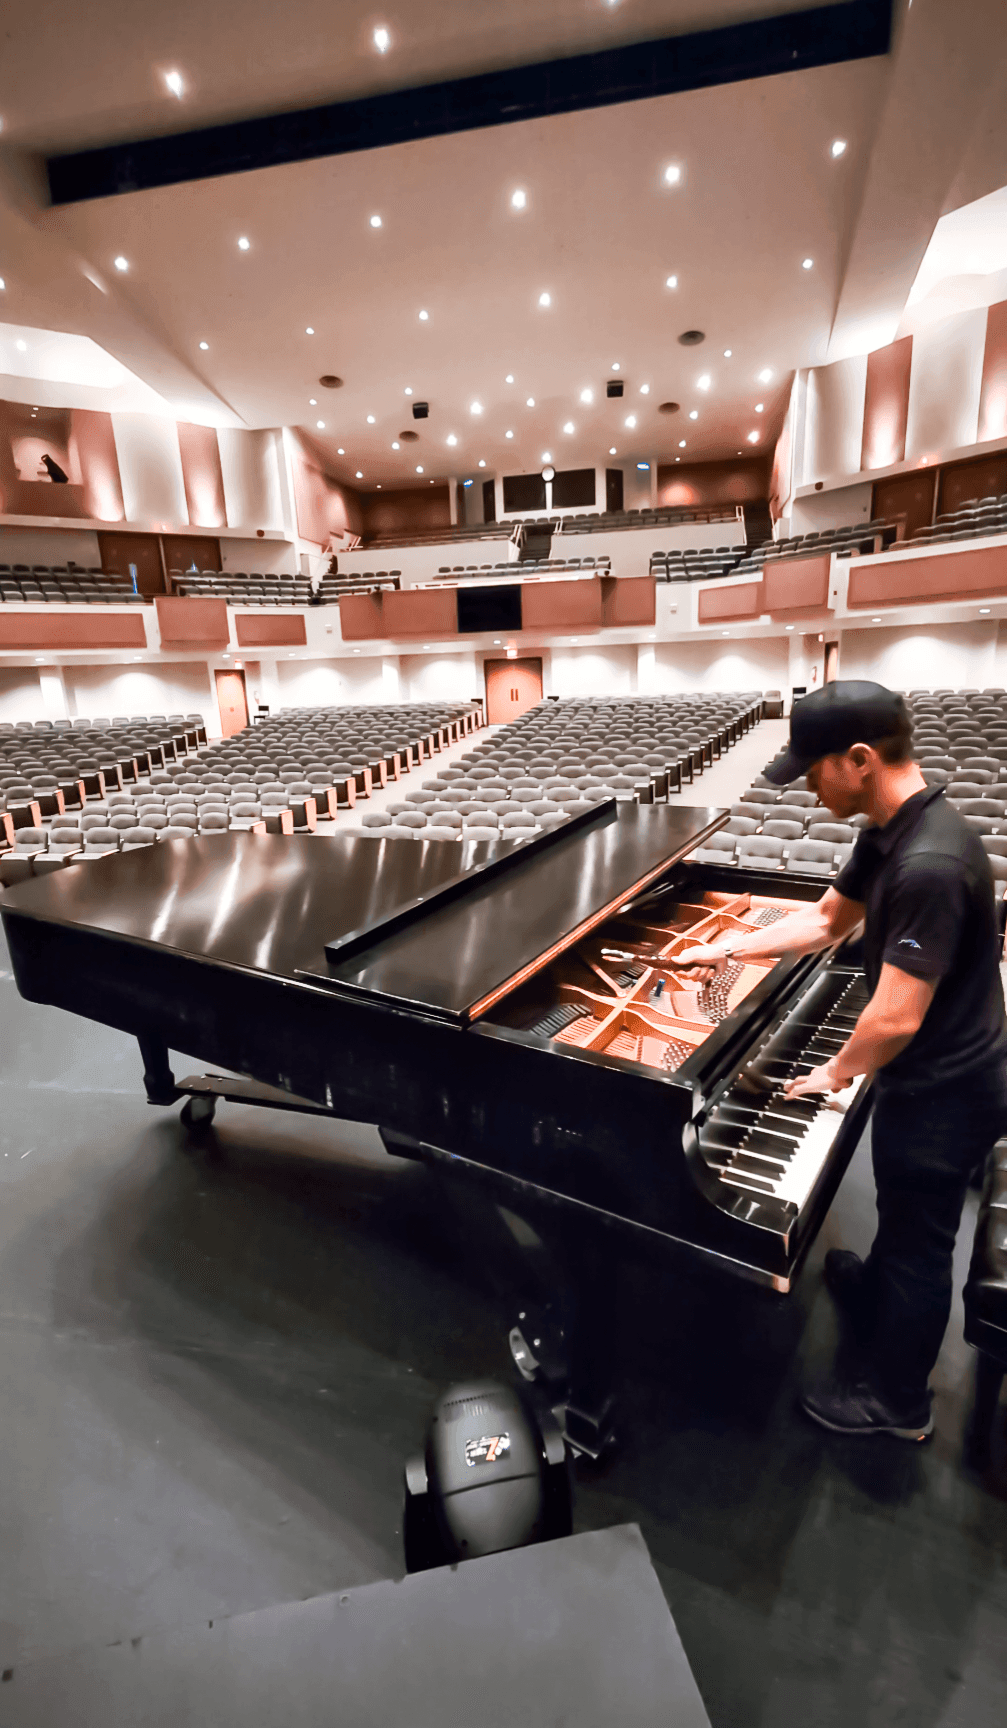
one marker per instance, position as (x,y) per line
(456,959)
(268,903)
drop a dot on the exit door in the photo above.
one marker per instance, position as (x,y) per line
(232,702)
(512,687)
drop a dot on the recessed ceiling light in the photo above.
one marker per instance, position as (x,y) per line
(309,331)
(839,146)
(672,174)
(788,626)
(424,316)
(2,284)
(616,365)
(396,445)
(693,413)
(644,389)
(545,298)
(518,199)
(22,347)
(357,650)
(382,39)
(370,419)
(174,82)
(671,282)
(204,346)
(121,263)
(807,263)
(753,437)
(530,402)
(312,401)
(321,425)
(509,378)
(409,390)
(451,439)
(340,451)
(587,397)
(476,408)
(569,427)
(727,632)
(630,421)
(243,243)
(678,458)
(984,610)
(375,221)
(359,475)
(765,375)
(704,382)
(681,443)
(508,434)
(482,464)
(875,620)
(419,469)
(546,457)
(727,353)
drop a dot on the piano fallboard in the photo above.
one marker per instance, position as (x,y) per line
(215,947)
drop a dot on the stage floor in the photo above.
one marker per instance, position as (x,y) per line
(213,1371)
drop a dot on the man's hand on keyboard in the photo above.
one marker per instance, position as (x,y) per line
(821,1079)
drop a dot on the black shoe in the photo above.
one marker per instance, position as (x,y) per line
(858,1408)
(845,1282)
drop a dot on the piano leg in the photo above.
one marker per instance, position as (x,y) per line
(158,1079)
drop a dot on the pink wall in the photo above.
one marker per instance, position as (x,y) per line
(886,406)
(323,506)
(202,476)
(93,442)
(993,399)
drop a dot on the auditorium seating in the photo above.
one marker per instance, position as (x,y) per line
(972,521)
(658,516)
(73,791)
(864,537)
(61,585)
(239,589)
(960,743)
(565,755)
(694,565)
(519,572)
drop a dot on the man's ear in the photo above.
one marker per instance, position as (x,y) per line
(862,756)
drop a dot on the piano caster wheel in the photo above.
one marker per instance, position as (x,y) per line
(197,1113)
(526,1363)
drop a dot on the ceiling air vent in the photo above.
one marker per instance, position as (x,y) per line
(329,381)
(409,437)
(669,407)
(692,338)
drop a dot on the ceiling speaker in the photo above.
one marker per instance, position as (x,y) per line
(614,387)
(692,338)
(669,407)
(421,410)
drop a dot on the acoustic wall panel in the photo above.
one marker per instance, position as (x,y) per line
(886,405)
(361,618)
(62,630)
(269,630)
(561,605)
(943,408)
(795,584)
(202,475)
(191,623)
(993,396)
(942,576)
(628,600)
(738,600)
(150,469)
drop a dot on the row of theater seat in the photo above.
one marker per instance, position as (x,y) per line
(973,521)
(282,777)
(563,756)
(236,587)
(61,585)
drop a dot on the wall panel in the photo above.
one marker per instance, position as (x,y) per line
(150,469)
(943,408)
(20,695)
(165,687)
(761,663)
(95,628)
(250,472)
(993,396)
(202,476)
(735,600)
(886,405)
(834,426)
(942,576)
(191,623)
(269,630)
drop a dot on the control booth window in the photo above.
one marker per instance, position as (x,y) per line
(573,489)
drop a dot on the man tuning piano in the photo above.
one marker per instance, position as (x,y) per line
(933,1036)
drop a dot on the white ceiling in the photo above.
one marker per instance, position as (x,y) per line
(94,74)
(760,191)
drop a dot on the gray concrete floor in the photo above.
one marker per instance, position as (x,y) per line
(213,1368)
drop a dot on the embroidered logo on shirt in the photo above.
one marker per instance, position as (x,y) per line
(909,942)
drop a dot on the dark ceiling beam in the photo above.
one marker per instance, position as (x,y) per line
(757,48)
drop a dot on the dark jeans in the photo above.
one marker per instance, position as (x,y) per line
(926,1144)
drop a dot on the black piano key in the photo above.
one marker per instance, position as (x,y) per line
(758,1166)
(774,1145)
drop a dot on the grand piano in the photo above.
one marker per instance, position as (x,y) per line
(503,1011)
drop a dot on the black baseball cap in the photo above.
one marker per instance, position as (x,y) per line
(846,712)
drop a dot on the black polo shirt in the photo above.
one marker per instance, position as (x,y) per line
(925,884)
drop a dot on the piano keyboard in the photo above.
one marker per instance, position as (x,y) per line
(759,1140)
